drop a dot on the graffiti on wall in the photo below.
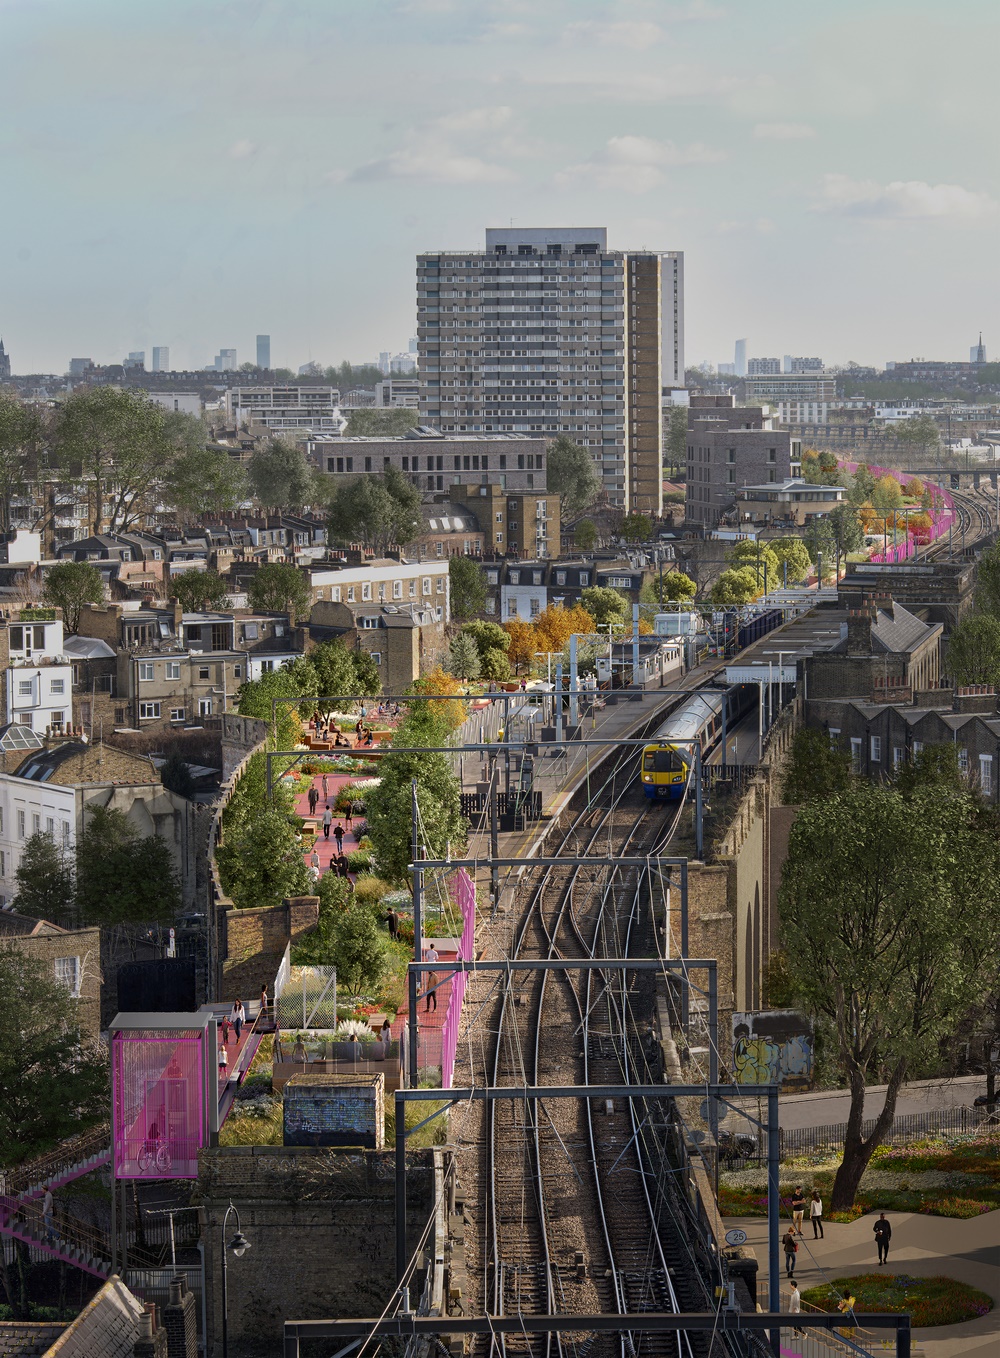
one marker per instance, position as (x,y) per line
(773,1046)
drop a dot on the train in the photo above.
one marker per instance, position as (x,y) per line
(666,760)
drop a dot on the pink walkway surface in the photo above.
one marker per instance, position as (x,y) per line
(942,516)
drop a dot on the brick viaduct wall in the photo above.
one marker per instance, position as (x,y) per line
(322,1230)
(253,941)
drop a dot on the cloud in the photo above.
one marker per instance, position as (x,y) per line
(910,199)
(431,166)
(637,34)
(635,164)
(242,150)
(783,131)
(676,82)
(476,119)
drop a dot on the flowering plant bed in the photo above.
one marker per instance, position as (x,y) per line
(930,1301)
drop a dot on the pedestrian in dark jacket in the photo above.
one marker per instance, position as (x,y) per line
(313,800)
(791,1247)
(338,834)
(883,1234)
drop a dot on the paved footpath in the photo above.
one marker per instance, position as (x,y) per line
(968,1251)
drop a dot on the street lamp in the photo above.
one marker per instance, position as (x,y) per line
(239,1246)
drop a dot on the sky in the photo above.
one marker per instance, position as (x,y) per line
(194,173)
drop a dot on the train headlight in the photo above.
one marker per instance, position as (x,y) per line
(647,777)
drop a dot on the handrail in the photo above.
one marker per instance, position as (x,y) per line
(67,1155)
(69,1232)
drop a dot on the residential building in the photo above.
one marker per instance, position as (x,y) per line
(78,366)
(70,956)
(277,409)
(437,462)
(161,358)
(52,788)
(730,446)
(793,501)
(358,582)
(514,523)
(549,332)
(884,652)
(523,589)
(803,386)
(38,677)
(95,676)
(187,402)
(763,367)
(264,352)
(358,398)
(793,364)
(398,391)
(448,530)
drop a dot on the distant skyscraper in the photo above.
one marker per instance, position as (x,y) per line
(225,361)
(263,352)
(763,367)
(977,354)
(4,362)
(78,366)
(414,346)
(136,359)
(161,358)
(740,358)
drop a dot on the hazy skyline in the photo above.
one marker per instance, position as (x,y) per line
(195,174)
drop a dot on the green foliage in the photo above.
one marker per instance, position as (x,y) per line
(20,431)
(585,535)
(862,486)
(279,476)
(817,768)
(636,528)
(260,862)
(762,557)
(45,886)
(380,512)
(380,422)
(315,949)
(737,586)
(678,588)
(675,441)
(388,807)
(929,1301)
(920,432)
(935,766)
(889,908)
(341,673)
(887,495)
(175,775)
(845,529)
(973,654)
(348,938)
(204,480)
(198,591)
(819,541)
(69,586)
(463,657)
(279,588)
(495,665)
(792,551)
(571,476)
(467,586)
(123,877)
(348,376)
(988,581)
(257,698)
(53,1086)
(488,636)
(608,607)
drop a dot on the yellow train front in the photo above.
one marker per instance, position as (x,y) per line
(667,759)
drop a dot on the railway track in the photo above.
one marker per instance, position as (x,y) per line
(974,521)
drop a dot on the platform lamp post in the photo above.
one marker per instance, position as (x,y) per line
(239,1246)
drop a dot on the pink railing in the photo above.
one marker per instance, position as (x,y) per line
(465,892)
(941,514)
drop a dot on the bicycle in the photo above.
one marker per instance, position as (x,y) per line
(154,1153)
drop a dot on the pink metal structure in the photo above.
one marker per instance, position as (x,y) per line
(942,516)
(159,1113)
(465,893)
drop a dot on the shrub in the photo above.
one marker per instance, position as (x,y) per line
(930,1301)
(370,889)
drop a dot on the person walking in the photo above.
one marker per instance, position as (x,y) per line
(883,1234)
(349,815)
(431,954)
(326,790)
(263,1002)
(227,1028)
(791,1247)
(338,834)
(385,1034)
(313,800)
(816,1214)
(47,1218)
(327,822)
(239,1017)
(224,1064)
(795,1305)
(798,1209)
(392,920)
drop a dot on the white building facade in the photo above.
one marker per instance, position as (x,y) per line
(39,676)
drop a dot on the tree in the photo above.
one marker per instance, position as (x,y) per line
(123,877)
(279,476)
(388,807)
(435,720)
(494,664)
(585,535)
(175,775)
(378,511)
(274,698)
(737,586)
(463,657)
(790,552)
(278,588)
(204,480)
(522,644)
(657,596)
(887,495)
(817,768)
(488,636)
(467,586)
(862,486)
(341,673)
(20,430)
(889,907)
(366,675)
(116,440)
(920,432)
(820,542)
(69,586)
(761,557)
(675,443)
(260,862)
(53,1085)
(378,422)
(988,581)
(845,530)
(571,476)
(935,766)
(350,375)
(199,590)
(357,948)
(973,654)
(608,607)
(636,528)
(555,625)
(45,886)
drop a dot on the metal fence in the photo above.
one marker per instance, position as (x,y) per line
(308,999)
(906,1127)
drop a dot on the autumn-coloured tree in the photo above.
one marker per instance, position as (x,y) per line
(915,488)
(556,625)
(439,684)
(523,644)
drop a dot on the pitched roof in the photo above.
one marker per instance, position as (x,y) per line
(897,630)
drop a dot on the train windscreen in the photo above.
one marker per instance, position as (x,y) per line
(662,761)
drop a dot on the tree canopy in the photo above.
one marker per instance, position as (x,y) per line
(378,511)
(571,476)
(197,591)
(585,535)
(988,581)
(123,877)
(279,588)
(793,553)
(973,654)
(280,477)
(380,422)
(636,528)
(467,585)
(817,768)
(463,657)
(203,480)
(845,529)
(69,586)
(737,586)
(675,440)
(260,862)
(607,607)
(45,885)
(20,431)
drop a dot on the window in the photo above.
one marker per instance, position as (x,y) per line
(173,670)
(499,537)
(584,579)
(20,824)
(204,672)
(515,577)
(856,753)
(249,631)
(50,826)
(68,974)
(36,823)
(24,688)
(397,589)
(146,670)
(376,656)
(237,671)
(368,623)
(512,608)
(57,686)
(963,761)
(772,454)
(267,667)
(986,774)
(279,629)
(65,831)
(535,606)
(876,749)
(426,585)
(204,707)
(499,518)
(560,577)
(897,756)
(58,718)
(350,594)
(335,594)
(366,591)
(149,711)
(918,745)
(412,586)
(177,714)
